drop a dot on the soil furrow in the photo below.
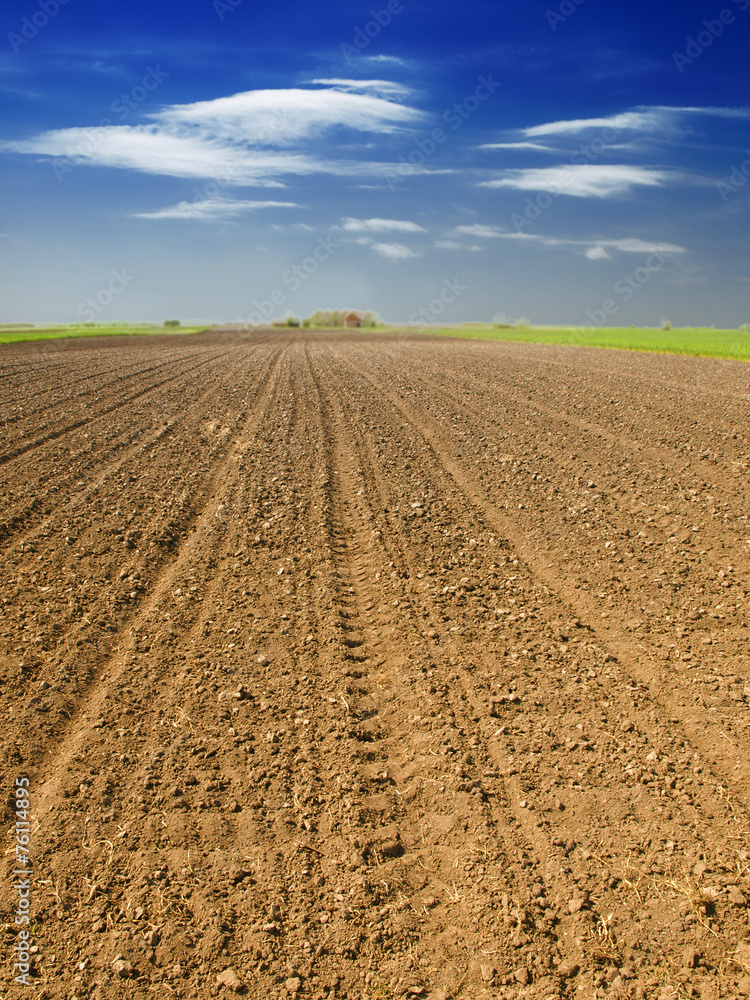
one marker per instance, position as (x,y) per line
(88,688)
(53,435)
(634,657)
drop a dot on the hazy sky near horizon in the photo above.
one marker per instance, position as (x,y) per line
(223,160)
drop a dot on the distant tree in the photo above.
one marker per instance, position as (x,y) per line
(171,322)
(666,325)
(321,317)
(745,328)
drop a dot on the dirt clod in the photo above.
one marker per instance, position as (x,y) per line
(568,968)
(122,968)
(231,980)
(691,958)
(742,955)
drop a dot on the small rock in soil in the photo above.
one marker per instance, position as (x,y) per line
(568,968)
(577,904)
(122,968)
(736,897)
(488,973)
(230,978)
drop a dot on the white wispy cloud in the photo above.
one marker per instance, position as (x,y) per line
(294,227)
(597,253)
(713,112)
(394,251)
(245,139)
(534,146)
(212,209)
(659,118)
(455,245)
(596,249)
(483,232)
(148,149)
(393,60)
(640,120)
(631,245)
(590,180)
(385,88)
(380,226)
(284,117)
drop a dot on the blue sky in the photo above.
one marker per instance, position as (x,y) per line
(571,162)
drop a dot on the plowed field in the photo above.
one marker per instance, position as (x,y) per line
(366,666)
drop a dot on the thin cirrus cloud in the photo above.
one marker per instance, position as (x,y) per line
(149,150)
(664,119)
(593,141)
(212,209)
(642,121)
(241,140)
(483,232)
(456,245)
(537,147)
(590,180)
(384,88)
(595,249)
(284,117)
(381,226)
(394,251)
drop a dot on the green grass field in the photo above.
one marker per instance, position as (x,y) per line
(697,341)
(700,341)
(11,336)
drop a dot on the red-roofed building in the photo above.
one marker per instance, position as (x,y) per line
(353,320)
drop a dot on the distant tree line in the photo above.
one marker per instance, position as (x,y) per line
(333,318)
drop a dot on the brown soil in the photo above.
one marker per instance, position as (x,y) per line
(364,666)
